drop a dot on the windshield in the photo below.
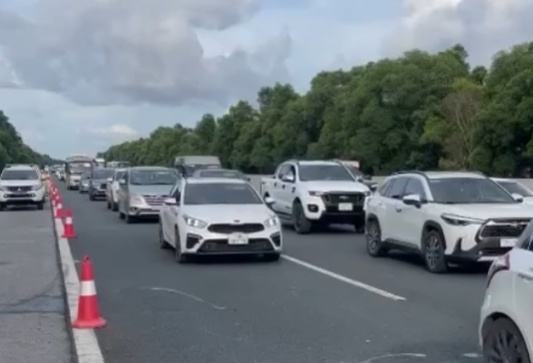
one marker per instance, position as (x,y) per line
(79,168)
(220,193)
(231,174)
(515,187)
(103,173)
(468,191)
(19,175)
(153,177)
(190,169)
(354,171)
(85,176)
(324,172)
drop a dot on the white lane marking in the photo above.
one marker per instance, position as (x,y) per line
(190,296)
(387,356)
(472,355)
(345,279)
(87,347)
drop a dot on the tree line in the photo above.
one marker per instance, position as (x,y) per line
(13,150)
(424,111)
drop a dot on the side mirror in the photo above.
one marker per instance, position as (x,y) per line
(412,199)
(248,179)
(109,180)
(517,197)
(269,200)
(288,178)
(367,177)
(122,181)
(171,201)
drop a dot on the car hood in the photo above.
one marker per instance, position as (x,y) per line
(235,213)
(489,211)
(151,189)
(20,183)
(335,186)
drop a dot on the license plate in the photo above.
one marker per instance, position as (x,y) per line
(508,242)
(345,207)
(238,239)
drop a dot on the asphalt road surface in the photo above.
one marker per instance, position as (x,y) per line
(315,306)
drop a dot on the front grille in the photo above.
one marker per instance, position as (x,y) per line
(221,246)
(344,197)
(103,185)
(155,199)
(19,189)
(504,228)
(495,251)
(236,228)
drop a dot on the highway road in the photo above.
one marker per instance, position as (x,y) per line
(317,305)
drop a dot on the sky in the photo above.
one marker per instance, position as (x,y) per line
(79,76)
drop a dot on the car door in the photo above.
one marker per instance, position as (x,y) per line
(288,188)
(521,263)
(410,217)
(277,188)
(123,192)
(168,212)
(392,216)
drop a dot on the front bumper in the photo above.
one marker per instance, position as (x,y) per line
(22,198)
(99,193)
(83,187)
(321,210)
(143,210)
(203,242)
(485,251)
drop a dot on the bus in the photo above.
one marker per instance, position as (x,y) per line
(75,166)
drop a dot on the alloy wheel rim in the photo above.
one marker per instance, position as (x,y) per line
(433,251)
(504,348)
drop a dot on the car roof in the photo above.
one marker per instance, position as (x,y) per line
(318,162)
(504,180)
(19,167)
(442,174)
(215,181)
(148,168)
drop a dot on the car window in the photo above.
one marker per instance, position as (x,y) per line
(220,193)
(176,190)
(119,175)
(415,186)
(284,170)
(153,177)
(397,189)
(516,188)
(29,174)
(385,187)
(468,190)
(526,238)
(324,172)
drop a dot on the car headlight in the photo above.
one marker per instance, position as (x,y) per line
(457,220)
(136,199)
(368,193)
(193,222)
(271,222)
(37,187)
(315,193)
(4,189)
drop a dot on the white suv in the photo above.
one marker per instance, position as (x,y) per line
(21,185)
(447,217)
(506,327)
(215,216)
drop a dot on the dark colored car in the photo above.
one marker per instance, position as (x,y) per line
(98,182)
(220,173)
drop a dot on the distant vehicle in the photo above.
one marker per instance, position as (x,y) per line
(514,187)
(100,162)
(209,216)
(220,173)
(187,165)
(118,164)
(83,186)
(113,187)
(74,167)
(98,182)
(316,192)
(143,190)
(21,185)
(505,328)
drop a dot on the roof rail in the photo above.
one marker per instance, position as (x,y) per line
(296,161)
(409,172)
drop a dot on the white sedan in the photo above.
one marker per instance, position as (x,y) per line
(216,216)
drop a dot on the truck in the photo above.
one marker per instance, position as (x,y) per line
(187,165)
(100,162)
(353,168)
(117,164)
(75,166)
(315,193)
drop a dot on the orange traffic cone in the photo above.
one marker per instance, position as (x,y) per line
(88,313)
(58,211)
(68,228)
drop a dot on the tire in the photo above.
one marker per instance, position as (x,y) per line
(108,204)
(179,257)
(300,223)
(359,225)
(129,218)
(433,252)
(162,243)
(272,257)
(504,329)
(114,207)
(91,197)
(121,215)
(374,244)
(2,207)
(40,205)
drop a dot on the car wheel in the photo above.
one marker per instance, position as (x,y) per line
(503,342)
(129,218)
(2,207)
(108,204)
(301,224)
(359,225)
(162,243)
(374,245)
(115,207)
(433,252)
(180,257)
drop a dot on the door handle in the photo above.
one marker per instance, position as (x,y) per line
(293,189)
(398,209)
(275,184)
(283,186)
(525,277)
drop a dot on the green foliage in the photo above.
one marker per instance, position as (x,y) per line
(14,151)
(420,111)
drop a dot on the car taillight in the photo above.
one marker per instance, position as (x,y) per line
(500,264)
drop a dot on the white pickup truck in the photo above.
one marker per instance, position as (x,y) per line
(309,193)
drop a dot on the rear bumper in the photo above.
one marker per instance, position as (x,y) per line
(144,211)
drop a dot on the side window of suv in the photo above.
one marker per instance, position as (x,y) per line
(396,191)
(415,186)
(383,189)
(526,239)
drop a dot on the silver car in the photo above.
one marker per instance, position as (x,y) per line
(84,182)
(142,191)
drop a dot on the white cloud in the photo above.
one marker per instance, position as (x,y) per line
(121,130)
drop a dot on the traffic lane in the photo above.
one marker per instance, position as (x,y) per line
(242,311)
(459,292)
